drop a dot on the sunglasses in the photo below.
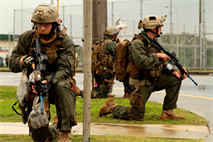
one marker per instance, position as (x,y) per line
(45,25)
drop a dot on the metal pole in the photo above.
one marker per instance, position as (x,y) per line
(71,26)
(21,16)
(184,53)
(87,69)
(195,53)
(171,43)
(112,13)
(133,27)
(204,47)
(63,14)
(141,9)
(177,27)
(200,34)
(9,43)
(14,27)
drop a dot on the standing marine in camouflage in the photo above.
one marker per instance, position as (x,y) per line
(60,51)
(103,55)
(147,73)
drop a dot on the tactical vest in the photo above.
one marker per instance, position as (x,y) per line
(50,50)
(100,60)
(154,72)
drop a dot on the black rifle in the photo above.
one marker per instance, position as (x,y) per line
(173,60)
(131,89)
(40,66)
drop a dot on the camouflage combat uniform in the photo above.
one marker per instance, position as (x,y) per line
(102,91)
(147,84)
(60,92)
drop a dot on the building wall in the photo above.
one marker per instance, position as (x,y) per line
(4,47)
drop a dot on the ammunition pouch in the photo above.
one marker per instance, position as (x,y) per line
(98,65)
(148,82)
(72,81)
(100,59)
(99,70)
(52,55)
(132,69)
(156,71)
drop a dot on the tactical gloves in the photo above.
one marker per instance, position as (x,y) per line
(36,118)
(28,61)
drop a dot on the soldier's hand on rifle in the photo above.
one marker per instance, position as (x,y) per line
(28,61)
(178,74)
(34,90)
(118,40)
(163,56)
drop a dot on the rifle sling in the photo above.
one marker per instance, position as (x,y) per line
(15,109)
(51,80)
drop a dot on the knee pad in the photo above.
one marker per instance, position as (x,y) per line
(39,134)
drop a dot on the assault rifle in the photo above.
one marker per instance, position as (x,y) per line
(39,74)
(173,61)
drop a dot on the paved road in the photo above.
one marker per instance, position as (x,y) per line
(197,99)
(204,88)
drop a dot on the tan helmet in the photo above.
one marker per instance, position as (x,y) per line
(111,30)
(151,22)
(46,13)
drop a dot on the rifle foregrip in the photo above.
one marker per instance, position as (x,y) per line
(182,76)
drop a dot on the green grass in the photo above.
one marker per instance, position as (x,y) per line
(152,116)
(96,138)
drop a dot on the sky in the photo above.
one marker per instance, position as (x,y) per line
(184,12)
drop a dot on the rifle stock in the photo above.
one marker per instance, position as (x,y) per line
(174,61)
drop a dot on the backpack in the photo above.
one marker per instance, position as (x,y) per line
(121,60)
(99,58)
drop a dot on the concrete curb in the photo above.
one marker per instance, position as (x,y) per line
(138,130)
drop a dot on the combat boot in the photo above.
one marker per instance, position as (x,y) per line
(107,108)
(64,137)
(169,114)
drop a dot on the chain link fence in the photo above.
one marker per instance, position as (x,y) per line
(185,41)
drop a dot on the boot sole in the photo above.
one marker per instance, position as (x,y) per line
(167,118)
(104,107)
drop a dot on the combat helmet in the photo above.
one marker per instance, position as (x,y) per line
(151,22)
(111,30)
(46,13)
